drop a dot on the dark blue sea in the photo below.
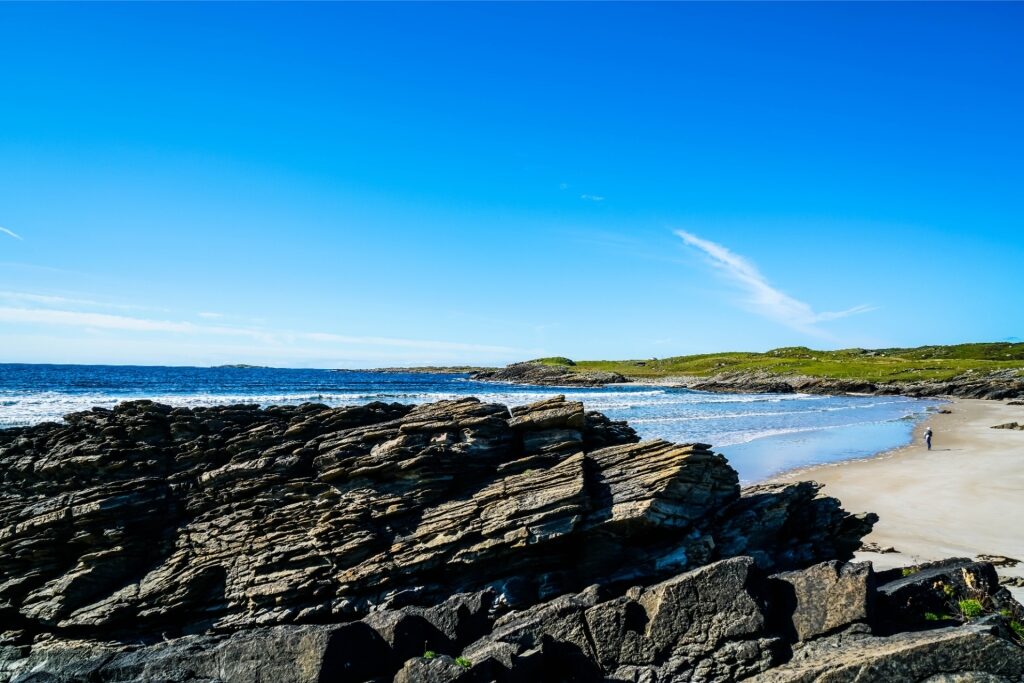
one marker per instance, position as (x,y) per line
(761,434)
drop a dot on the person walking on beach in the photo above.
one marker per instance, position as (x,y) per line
(928,437)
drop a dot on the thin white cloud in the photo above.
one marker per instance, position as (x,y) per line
(50,300)
(49,316)
(835,315)
(10,232)
(106,321)
(592,197)
(763,298)
(209,315)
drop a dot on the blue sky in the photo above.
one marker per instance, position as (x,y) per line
(359,185)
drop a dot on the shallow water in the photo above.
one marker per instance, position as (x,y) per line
(761,434)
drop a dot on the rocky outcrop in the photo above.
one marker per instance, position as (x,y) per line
(1010,425)
(549,375)
(998,385)
(994,385)
(451,541)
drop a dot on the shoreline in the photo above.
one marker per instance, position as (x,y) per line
(956,500)
(991,389)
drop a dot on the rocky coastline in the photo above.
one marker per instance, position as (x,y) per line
(454,541)
(547,375)
(993,385)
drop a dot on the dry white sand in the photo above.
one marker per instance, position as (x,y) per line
(963,498)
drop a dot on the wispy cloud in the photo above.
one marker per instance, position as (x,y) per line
(209,315)
(51,300)
(271,338)
(763,298)
(10,232)
(592,197)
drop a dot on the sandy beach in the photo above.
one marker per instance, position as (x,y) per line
(963,498)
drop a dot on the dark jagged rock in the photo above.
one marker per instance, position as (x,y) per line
(686,628)
(976,653)
(309,543)
(154,520)
(937,591)
(727,621)
(1010,425)
(780,526)
(548,375)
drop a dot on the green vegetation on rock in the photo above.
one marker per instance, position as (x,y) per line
(879,365)
(1018,628)
(932,616)
(971,608)
(554,360)
(1015,625)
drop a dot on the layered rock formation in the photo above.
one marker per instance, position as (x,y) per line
(452,541)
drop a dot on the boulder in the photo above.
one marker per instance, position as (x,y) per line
(977,652)
(703,625)
(681,627)
(943,591)
(827,597)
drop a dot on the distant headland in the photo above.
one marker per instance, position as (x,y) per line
(992,370)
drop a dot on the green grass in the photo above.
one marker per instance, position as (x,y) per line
(971,608)
(1018,628)
(463,662)
(932,616)
(554,360)
(879,366)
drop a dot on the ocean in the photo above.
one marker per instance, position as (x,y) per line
(761,434)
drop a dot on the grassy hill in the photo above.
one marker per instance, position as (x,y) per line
(878,365)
